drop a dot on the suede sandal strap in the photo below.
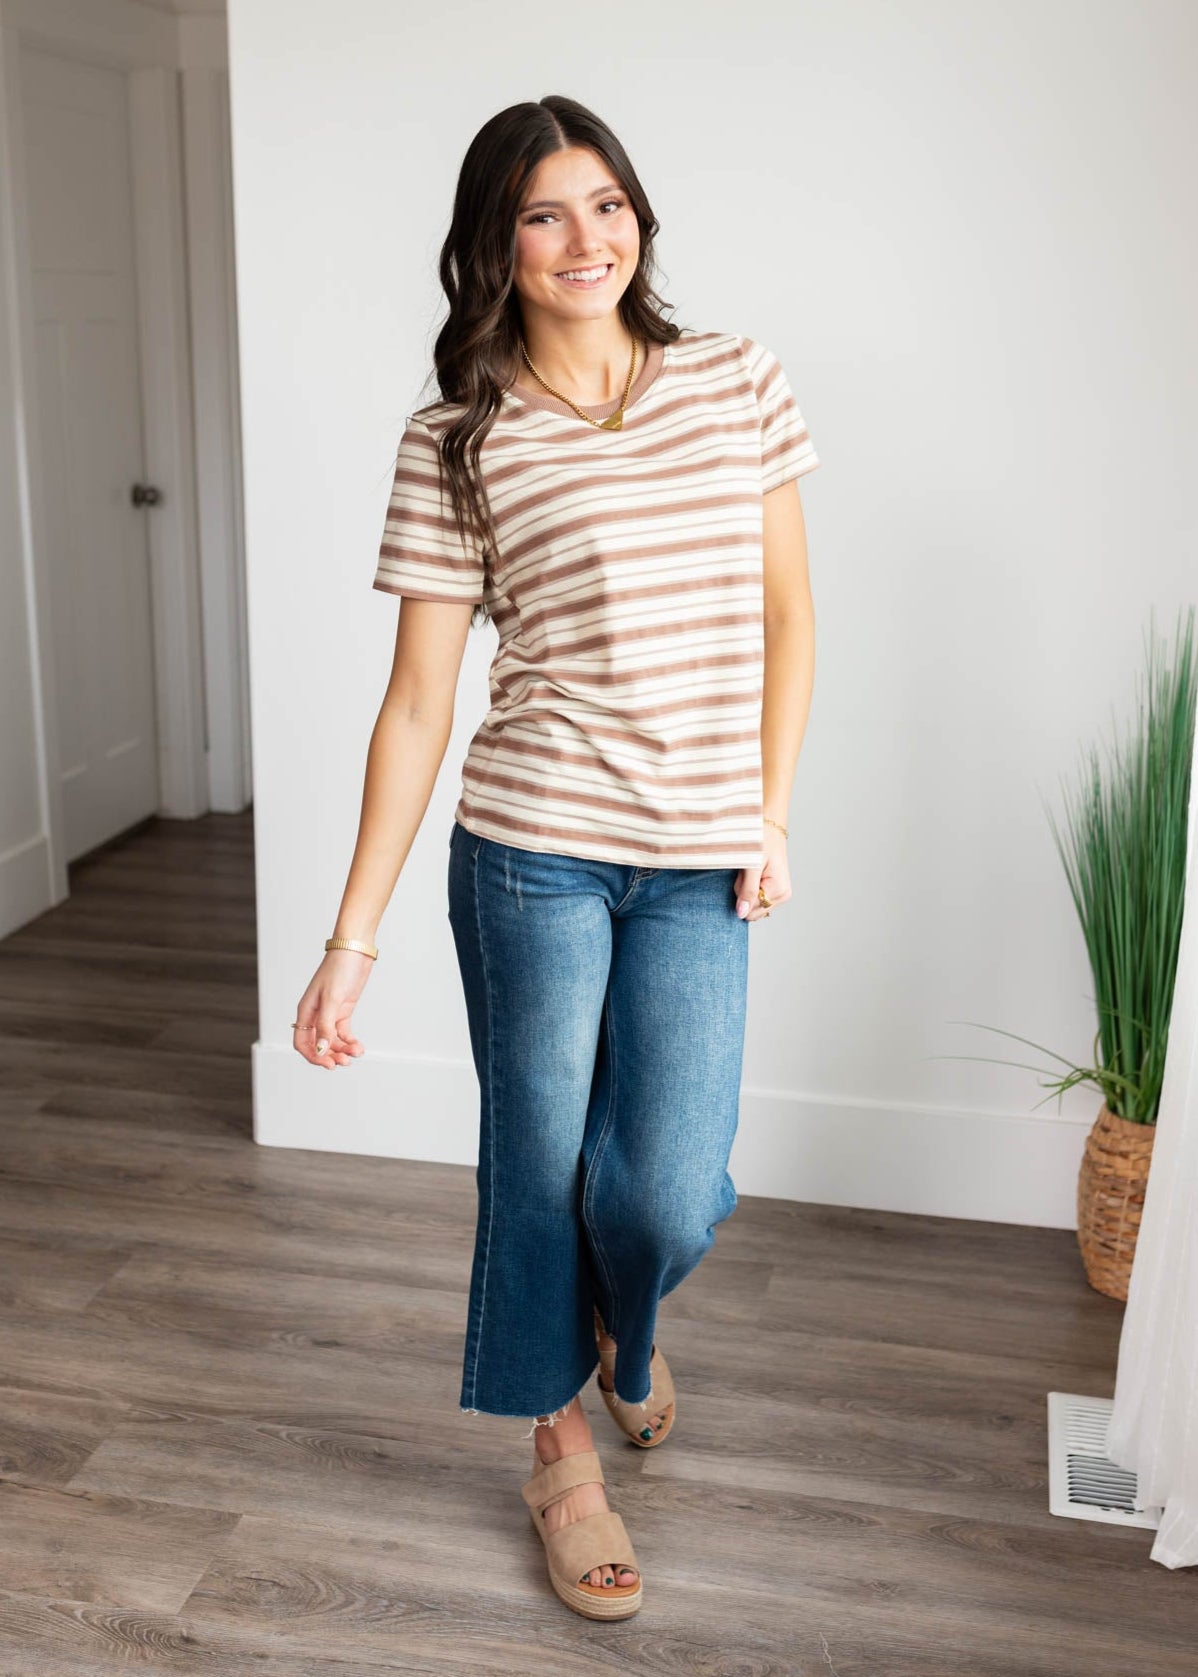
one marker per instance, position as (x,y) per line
(596,1540)
(661,1393)
(554,1479)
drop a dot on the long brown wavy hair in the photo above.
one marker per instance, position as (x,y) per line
(477,351)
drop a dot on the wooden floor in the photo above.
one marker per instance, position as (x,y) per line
(230,1440)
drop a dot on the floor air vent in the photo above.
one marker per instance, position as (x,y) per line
(1082,1483)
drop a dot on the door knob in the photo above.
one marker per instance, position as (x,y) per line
(145,494)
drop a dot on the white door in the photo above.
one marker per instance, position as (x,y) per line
(86,374)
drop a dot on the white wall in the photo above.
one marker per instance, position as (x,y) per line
(968,232)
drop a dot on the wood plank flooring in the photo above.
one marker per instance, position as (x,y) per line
(230,1440)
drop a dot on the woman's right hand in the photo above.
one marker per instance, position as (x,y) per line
(325,1009)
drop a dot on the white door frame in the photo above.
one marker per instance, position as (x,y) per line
(146,45)
(212,287)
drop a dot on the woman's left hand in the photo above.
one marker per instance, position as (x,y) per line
(773,877)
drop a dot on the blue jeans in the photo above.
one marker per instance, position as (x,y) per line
(606,1006)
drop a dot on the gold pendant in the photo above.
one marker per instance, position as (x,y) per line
(615,422)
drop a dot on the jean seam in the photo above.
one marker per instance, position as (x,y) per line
(592,1174)
(482,1301)
(632,885)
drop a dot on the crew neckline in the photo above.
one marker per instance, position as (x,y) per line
(539,401)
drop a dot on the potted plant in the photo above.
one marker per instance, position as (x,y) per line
(1125,857)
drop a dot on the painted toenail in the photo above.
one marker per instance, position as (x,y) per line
(646,1432)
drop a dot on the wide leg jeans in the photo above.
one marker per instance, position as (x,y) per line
(606,1007)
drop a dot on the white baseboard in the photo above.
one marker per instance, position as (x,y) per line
(935,1162)
(24,883)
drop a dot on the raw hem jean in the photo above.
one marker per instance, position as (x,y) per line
(606,1006)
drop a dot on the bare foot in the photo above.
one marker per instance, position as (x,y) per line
(569,1434)
(607,1347)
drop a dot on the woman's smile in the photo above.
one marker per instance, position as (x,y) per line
(586,278)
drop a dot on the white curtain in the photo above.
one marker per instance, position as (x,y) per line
(1154,1423)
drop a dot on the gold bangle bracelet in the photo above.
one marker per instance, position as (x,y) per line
(352,943)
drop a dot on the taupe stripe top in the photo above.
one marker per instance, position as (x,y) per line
(625,719)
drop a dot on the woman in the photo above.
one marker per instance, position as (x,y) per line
(619,496)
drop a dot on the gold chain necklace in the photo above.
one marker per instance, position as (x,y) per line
(614,421)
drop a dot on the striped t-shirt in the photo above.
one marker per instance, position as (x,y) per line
(626,688)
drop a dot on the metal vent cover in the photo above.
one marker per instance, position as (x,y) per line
(1083,1483)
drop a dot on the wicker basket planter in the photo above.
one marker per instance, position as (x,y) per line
(1110,1199)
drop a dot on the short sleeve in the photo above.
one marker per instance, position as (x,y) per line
(786,448)
(421,552)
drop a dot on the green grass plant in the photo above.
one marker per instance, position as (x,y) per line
(1124,853)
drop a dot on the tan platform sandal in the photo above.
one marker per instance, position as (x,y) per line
(597,1540)
(633,1418)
